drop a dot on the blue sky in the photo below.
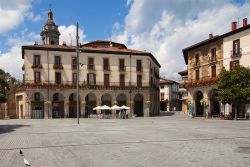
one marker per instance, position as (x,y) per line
(163,27)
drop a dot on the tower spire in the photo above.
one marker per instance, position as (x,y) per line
(50,33)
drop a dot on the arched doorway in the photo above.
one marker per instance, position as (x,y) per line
(73,106)
(214,103)
(138,105)
(37,106)
(106,100)
(58,106)
(121,100)
(90,104)
(199,107)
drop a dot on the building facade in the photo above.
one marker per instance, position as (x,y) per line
(169,95)
(237,52)
(183,91)
(206,59)
(109,74)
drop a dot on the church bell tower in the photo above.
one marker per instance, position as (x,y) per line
(50,33)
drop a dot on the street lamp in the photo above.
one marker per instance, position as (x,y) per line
(77,61)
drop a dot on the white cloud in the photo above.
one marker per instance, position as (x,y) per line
(12,13)
(11,61)
(168,27)
(68,34)
(31,16)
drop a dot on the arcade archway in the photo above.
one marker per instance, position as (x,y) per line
(90,104)
(37,106)
(138,105)
(73,106)
(58,106)
(199,106)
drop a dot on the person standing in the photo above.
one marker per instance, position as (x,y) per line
(191,110)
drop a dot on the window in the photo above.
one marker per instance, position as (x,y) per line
(37,96)
(139,80)
(234,63)
(58,60)
(91,63)
(162,96)
(91,79)
(106,79)
(162,87)
(197,74)
(138,65)
(37,59)
(74,63)
(236,47)
(74,78)
(197,59)
(121,65)
(213,54)
(122,80)
(37,77)
(58,78)
(213,68)
(106,64)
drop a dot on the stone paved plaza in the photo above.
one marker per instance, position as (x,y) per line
(153,142)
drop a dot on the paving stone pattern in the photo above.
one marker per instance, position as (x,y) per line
(174,141)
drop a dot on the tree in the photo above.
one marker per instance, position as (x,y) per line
(6,83)
(234,86)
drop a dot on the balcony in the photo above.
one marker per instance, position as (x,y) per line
(139,69)
(122,68)
(204,81)
(58,66)
(91,67)
(212,60)
(236,54)
(106,68)
(37,66)
(74,66)
(30,84)
(196,64)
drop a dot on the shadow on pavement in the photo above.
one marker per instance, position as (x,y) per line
(167,113)
(10,128)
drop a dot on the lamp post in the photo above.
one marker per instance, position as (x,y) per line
(77,61)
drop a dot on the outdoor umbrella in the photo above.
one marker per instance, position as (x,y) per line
(125,107)
(97,108)
(115,107)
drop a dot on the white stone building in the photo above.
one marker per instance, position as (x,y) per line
(110,73)
(236,51)
(169,95)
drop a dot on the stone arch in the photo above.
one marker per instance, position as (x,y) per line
(57,105)
(199,106)
(37,105)
(73,105)
(214,103)
(121,99)
(106,99)
(138,105)
(91,101)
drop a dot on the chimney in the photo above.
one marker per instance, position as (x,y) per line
(64,43)
(234,26)
(210,36)
(244,22)
(36,43)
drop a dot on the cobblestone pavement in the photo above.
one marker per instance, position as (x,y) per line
(149,142)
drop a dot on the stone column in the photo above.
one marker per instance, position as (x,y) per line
(66,108)
(83,103)
(6,111)
(207,105)
(28,110)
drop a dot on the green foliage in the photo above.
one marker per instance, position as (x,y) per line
(234,85)
(6,83)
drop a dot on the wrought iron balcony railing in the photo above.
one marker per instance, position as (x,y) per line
(236,53)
